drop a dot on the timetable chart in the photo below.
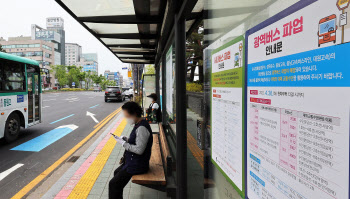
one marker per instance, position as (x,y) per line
(227,130)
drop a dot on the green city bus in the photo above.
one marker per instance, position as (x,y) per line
(20,95)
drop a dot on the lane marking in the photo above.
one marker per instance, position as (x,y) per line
(39,143)
(9,171)
(85,184)
(62,119)
(72,99)
(25,190)
(45,106)
(49,100)
(95,106)
(69,186)
(110,115)
(92,116)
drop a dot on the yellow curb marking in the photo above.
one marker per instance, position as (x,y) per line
(25,190)
(85,184)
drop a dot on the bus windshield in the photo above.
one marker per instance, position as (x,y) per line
(327,26)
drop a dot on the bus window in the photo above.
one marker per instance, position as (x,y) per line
(14,78)
(1,77)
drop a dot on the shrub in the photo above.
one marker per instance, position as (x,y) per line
(72,89)
(194,87)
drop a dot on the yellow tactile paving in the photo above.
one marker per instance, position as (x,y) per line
(195,150)
(25,190)
(85,184)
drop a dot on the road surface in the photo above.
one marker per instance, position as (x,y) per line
(65,123)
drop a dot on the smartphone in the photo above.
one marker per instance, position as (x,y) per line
(113,135)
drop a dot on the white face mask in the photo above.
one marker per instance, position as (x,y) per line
(130,121)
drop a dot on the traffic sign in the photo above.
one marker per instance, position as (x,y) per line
(343,4)
(73,83)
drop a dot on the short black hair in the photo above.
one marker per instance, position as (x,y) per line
(133,108)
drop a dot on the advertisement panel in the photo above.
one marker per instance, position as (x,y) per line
(54,22)
(45,35)
(169,82)
(227,108)
(298,101)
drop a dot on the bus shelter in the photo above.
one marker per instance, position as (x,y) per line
(273,118)
(146,32)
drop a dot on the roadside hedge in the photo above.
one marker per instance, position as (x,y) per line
(194,87)
(72,89)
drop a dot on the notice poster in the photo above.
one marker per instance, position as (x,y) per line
(298,104)
(227,99)
(169,82)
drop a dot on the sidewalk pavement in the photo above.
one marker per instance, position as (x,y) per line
(90,174)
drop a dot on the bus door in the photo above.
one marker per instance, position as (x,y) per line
(34,113)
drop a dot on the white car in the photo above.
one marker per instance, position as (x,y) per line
(129,93)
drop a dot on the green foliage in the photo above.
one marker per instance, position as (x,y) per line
(105,82)
(194,52)
(149,69)
(97,79)
(73,73)
(72,89)
(194,87)
(60,74)
(81,77)
(138,99)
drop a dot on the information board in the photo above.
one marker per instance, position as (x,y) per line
(227,80)
(298,101)
(169,82)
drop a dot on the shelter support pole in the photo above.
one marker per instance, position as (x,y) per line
(164,93)
(181,118)
(157,67)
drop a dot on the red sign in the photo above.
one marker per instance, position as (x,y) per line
(254,92)
(260,100)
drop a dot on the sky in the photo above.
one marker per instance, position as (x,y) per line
(18,15)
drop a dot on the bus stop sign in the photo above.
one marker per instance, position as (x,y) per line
(342,4)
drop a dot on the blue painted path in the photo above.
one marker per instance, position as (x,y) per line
(46,139)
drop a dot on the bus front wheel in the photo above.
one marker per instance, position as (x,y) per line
(12,127)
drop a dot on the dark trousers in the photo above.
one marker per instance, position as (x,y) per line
(118,182)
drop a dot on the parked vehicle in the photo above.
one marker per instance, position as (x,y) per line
(114,93)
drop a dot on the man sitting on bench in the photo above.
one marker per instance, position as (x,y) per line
(138,148)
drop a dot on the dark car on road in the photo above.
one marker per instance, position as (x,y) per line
(114,93)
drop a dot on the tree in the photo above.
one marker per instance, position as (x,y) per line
(89,78)
(81,77)
(1,49)
(105,82)
(72,75)
(150,70)
(61,75)
(97,79)
(194,52)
